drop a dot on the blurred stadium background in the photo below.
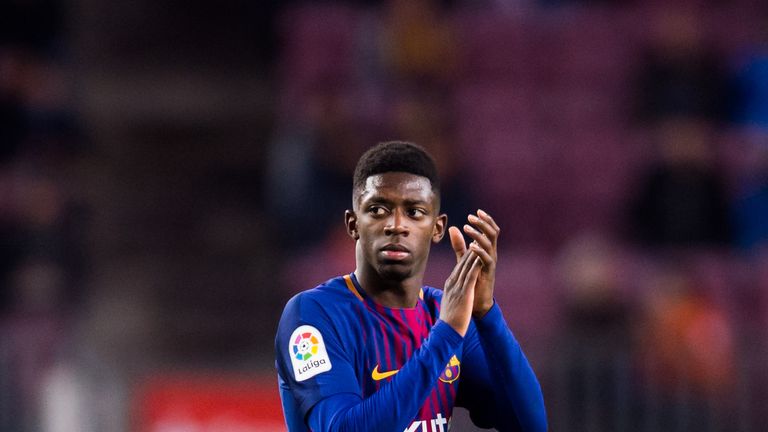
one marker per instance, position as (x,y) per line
(172,172)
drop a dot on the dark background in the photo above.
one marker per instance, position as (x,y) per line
(172,172)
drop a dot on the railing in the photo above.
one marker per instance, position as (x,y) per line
(594,390)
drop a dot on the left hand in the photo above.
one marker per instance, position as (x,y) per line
(484,233)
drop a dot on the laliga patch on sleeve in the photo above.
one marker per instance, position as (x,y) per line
(307,351)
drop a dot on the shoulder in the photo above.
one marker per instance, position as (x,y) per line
(431,298)
(432,293)
(323,303)
(320,315)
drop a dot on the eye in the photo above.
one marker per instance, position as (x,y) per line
(416,212)
(377,210)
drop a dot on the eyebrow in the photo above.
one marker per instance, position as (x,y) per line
(408,202)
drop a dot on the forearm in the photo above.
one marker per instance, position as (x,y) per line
(515,385)
(394,406)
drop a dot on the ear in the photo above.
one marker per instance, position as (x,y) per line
(439,230)
(350,220)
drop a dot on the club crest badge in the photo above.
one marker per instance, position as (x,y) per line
(452,371)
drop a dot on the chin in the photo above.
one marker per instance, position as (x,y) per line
(394,272)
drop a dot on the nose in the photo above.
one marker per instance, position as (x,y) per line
(395,224)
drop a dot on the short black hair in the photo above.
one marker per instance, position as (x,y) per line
(395,156)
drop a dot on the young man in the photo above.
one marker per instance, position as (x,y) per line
(375,350)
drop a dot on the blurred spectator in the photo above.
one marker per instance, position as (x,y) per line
(679,75)
(689,350)
(597,310)
(49,263)
(311,160)
(751,204)
(596,337)
(681,198)
(751,84)
(12,124)
(751,115)
(419,43)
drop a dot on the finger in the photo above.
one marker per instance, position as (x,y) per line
(486,258)
(478,237)
(487,218)
(467,261)
(484,227)
(460,290)
(457,242)
(470,284)
(473,274)
(454,276)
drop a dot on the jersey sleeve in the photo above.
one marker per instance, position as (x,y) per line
(311,361)
(494,364)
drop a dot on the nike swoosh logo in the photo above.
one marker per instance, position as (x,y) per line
(377,376)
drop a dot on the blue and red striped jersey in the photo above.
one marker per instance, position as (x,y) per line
(404,368)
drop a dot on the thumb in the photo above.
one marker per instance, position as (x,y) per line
(457,242)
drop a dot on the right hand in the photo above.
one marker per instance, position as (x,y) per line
(459,293)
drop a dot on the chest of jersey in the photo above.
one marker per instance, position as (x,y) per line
(388,338)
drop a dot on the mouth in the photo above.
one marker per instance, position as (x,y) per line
(395,252)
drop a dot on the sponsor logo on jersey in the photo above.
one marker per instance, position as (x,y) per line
(439,424)
(307,351)
(378,376)
(452,370)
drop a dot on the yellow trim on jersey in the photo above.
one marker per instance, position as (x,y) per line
(351,287)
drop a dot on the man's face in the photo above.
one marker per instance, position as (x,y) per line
(395,220)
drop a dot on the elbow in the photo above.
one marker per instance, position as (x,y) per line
(539,423)
(535,425)
(534,420)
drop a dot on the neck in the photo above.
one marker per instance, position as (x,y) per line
(390,293)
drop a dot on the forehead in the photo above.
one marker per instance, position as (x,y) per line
(397,185)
